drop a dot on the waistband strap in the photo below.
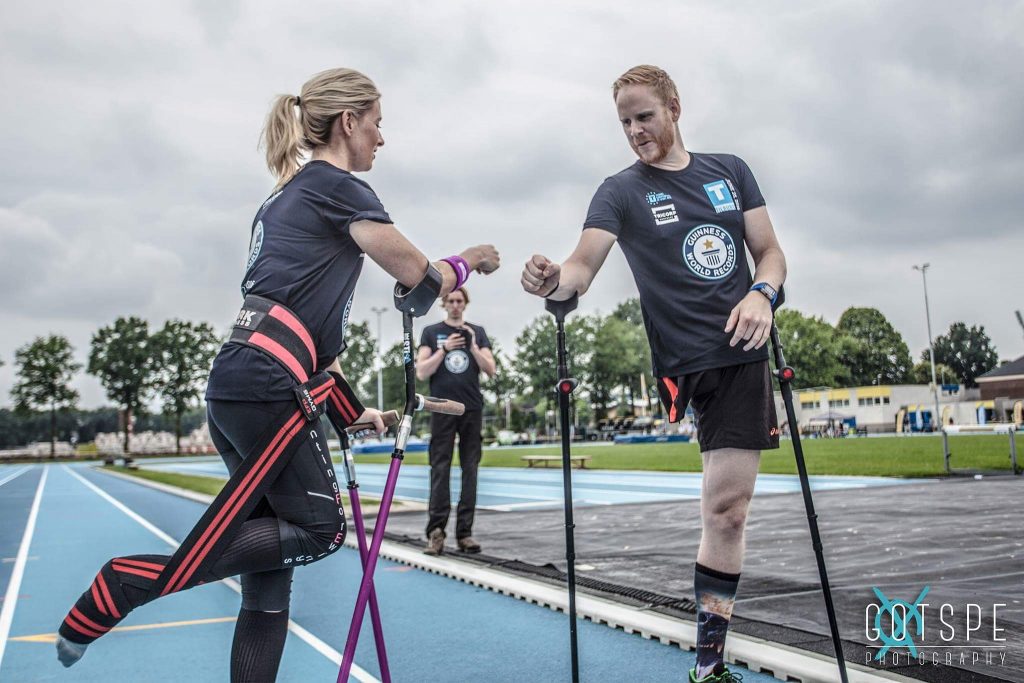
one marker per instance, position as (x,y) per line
(275,330)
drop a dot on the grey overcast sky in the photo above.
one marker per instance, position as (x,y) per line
(882,134)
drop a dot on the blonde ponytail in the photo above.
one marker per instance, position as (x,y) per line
(297,125)
(282,137)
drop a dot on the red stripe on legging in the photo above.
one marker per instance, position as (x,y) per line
(227,510)
(238,498)
(263,468)
(138,572)
(87,621)
(281,354)
(105,592)
(137,563)
(295,326)
(81,629)
(96,598)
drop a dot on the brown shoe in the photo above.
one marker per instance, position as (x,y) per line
(468,545)
(435,543)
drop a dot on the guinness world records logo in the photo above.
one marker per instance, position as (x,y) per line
(456,361)
(255,244)
(709,252)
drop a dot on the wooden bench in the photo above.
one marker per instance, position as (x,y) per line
(532,460)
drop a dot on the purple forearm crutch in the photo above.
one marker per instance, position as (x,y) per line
(357,520)
(413,402)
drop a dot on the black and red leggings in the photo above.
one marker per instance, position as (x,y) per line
(285,511)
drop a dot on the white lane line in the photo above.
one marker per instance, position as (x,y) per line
(159,533)
(15,475)
(320,646)
(11,597)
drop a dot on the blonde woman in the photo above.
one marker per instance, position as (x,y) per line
(279,372)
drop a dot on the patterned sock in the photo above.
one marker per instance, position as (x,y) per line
(258,645)
(715,592)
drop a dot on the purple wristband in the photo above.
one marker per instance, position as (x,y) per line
(461,269)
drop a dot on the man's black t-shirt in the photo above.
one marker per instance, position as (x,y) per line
(458,376)
(301,256)
(682,234)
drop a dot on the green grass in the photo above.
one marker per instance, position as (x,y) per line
(191,482)
(207,485)
(882,456)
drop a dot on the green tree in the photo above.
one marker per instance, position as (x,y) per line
(879,356)
(394,378)
(922,372)
(358,362)
(968,351)
(120,357)
(814,349)
(505,383)
(181,353)
(629,311)
(45,369)
(537,359)
(618,360)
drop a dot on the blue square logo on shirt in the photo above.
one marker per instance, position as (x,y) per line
(720,196)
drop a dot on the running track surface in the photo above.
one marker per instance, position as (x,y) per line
(61,523)
(511,488)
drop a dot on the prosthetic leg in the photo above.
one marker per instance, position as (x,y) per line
(785,375)
(564,388)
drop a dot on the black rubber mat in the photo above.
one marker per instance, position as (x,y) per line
(964,538)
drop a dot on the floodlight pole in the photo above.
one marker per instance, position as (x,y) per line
(379,360)
(937,421)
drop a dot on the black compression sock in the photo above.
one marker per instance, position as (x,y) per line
(716,592)
(257,647)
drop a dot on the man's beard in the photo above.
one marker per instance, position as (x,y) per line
(664,144)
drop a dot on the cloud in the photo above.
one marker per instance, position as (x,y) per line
(882,135)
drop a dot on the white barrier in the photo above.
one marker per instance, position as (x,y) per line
(994,428)
(154,443)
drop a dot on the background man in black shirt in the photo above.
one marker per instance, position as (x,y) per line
(684,222)
(452,354)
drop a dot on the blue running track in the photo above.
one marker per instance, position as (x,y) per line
(513,488)
(437,629)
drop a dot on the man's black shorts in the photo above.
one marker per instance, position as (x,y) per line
(734,406)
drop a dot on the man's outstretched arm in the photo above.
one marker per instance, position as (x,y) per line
(541,277)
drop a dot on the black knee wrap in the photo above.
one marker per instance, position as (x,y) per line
(267,591)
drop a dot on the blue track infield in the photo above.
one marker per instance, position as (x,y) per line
(512,488)
(437,629)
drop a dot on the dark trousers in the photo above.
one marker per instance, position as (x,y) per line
(443,429)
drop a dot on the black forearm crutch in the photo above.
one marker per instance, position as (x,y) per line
(564,388)
(785,375)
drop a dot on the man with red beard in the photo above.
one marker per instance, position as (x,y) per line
(684,221)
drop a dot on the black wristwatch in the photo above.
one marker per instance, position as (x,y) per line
(770,292)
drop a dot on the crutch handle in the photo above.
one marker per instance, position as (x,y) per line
(389,418)
(560,309)
(439,405)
